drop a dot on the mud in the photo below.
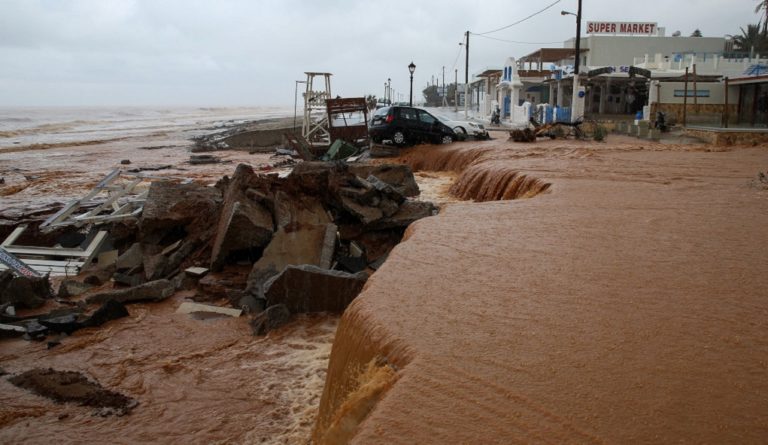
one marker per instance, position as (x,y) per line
(69,386)
(198,381)
(626,304)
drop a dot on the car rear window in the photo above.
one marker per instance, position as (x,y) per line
(408,114)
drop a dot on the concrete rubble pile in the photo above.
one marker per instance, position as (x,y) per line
(271,246)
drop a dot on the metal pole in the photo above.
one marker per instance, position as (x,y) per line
(466,79)
(725,113)
(456,91)
(685,98)
(410,98)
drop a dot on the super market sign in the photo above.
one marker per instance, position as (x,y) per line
(644,28)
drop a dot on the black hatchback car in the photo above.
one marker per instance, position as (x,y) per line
(408,125)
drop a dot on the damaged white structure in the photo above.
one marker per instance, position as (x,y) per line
(509,90)
(315,126)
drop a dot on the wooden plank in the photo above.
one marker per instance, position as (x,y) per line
(46,251)
(56,263)
(90,252)
(14,235)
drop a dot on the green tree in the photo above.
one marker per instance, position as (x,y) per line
(751,39)
(370,101)
(696,33)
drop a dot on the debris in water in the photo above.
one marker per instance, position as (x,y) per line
(70,386)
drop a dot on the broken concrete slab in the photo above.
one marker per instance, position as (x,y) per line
(24,291)
(399,176)
(11,330)
(244,224)
(131,258)
(293,245)
(73,288)
(198,272)
(154,266)
(365,214)
(128,279)
(301,210)
(152,291)
(189,307)
(271,318)
(171,206)
(408,212)
(386,189)
(308,288)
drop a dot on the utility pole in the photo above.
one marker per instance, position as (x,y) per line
(466,77)
(456,91)
(445,92)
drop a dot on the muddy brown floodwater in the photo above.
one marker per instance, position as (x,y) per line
(625,302)
(620,297)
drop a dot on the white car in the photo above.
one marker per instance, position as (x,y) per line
(465,129)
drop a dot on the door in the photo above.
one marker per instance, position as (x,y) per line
(428,126)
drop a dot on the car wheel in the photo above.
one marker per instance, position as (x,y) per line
(447,139)
(461,133)
(398,137)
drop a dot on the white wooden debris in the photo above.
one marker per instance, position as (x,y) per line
(54,261)
(115,198)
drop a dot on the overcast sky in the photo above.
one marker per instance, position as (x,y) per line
(250,52)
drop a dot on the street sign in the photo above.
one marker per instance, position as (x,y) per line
(16,264)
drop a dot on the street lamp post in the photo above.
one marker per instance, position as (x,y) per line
(389,91)
(575,98)
(411,68)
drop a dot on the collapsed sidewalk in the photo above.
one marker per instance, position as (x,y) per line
(269,245)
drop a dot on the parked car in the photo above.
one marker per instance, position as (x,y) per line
(464,129)
(408,125)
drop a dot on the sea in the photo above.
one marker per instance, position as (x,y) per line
(33,126)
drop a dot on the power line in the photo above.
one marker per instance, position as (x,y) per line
(521,20)
(515,41)
(461,47)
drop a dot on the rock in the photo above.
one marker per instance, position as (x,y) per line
(399,176)
(152,291)
(308,288)
(23,291)
(35,330)
(271,318)
(131,258)
(408,212)
(243,224)
(125,162)
(11,330)
(73,288)
(67,323)
(110,310)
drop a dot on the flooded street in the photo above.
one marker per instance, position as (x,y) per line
(621,283)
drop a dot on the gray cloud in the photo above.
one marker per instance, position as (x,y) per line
(238,52)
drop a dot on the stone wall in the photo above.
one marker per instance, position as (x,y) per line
(724,138)
(696,114)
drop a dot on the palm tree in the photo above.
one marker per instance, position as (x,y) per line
(751,39)
(763,5)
